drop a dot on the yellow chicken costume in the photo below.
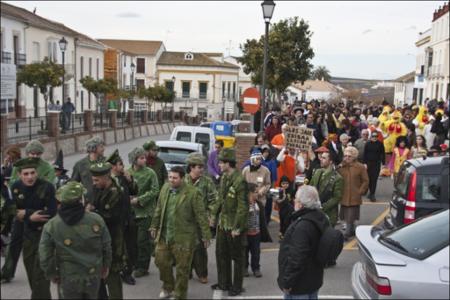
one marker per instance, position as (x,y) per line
(421,120)
(394,128)
(384,117)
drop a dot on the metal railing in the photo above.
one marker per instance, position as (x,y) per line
(6,57)
(26,129)
(101,120)
(20,59)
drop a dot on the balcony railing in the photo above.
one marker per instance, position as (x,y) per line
(202,95)
(6,57)
(20,59)
(186,95)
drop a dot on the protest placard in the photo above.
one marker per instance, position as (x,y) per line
(298,138)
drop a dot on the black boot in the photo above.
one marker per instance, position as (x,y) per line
(128,279)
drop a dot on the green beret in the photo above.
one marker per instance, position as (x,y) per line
(150,145)
(114,158)
(134,154)
(227,154)
(34,146)
(100,169)
(93,143)
(195,158)
(70,193)
(27,163)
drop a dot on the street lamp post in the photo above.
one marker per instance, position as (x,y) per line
(267,6)
(132,67)
(62,47)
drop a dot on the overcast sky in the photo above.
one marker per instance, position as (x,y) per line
(373,40)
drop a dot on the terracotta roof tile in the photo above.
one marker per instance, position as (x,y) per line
(316,85)
(407,77)
(136,47)
(200,59)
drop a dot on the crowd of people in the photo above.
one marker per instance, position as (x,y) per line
(100,227)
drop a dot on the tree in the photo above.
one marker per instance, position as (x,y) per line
(44,74)
(100,87)
(289,55)
(158,93)
(321,72)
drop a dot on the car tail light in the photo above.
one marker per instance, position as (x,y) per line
(410,208)
(380,284)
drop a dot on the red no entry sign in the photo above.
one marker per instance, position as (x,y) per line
(251,100)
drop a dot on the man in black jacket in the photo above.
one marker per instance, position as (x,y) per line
(299,273)
(373,157)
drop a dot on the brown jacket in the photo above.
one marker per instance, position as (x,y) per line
(356,183)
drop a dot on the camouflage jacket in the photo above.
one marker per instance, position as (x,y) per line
(78,252)
(207,189)
(148,190)
(232,205)
(82,173)
(190,215)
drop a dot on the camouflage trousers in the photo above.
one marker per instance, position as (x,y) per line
(40,286)
(165,257)
(144,244)
(69,289)
(228,250)
(200,261)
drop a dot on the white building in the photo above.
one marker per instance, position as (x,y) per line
(404,86)
(437,72)
(205,84)
(420,80)
(39,38)
(314,89)
(245,80)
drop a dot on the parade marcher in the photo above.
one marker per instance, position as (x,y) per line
(258,174)
(179,223)
(300,275)
(335,148)
(373,158)
(274,128)
(356,183)
(12,154)
(204,184)
(34,149)
(213,161)
(108,201)
(95,148)
(329,185)
(36,204)
(253,232)
(75,247)
(143,206)
(429,136)
(154,162)
(232,225)
(130,188)
(60,172)
(285,204)
(400,154)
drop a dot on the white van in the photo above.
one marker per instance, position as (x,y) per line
(195,134)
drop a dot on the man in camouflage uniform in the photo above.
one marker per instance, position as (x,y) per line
(154,162)
(143,206)
(75,247)
(46,172)
(232,225)
(130,188)
(204,184)
(179,216)
(95,148)
(108,201)
(35,202)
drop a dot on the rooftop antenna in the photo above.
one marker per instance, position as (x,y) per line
(229,48)
(34,10)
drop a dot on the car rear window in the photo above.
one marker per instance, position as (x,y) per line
(203,138)
(183,136)
(429,188)
(402,180)
(421,238)
(173,155)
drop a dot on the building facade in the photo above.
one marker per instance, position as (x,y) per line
(313,89)
(420,79)
(403,89)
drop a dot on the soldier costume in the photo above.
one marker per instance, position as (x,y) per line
(156,163)
(233,210)
(81,170)
(148,187)
(108,203)
(75,247)
(46,172)
(129,188)
(179,216)
(38,197)
(207,188)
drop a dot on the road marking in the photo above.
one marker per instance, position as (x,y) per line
(375,203)
(219,295)
(352,243)
(270,250)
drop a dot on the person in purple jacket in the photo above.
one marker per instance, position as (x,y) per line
(213,162)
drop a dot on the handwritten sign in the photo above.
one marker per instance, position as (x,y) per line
(298,137)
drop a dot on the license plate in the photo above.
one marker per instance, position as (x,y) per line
(393,212)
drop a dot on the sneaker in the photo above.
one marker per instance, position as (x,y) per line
(140,273)
(164,294)
(257,273)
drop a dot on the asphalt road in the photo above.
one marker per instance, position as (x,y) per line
(337,283)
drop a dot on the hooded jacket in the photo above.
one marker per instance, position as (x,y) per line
(298,269)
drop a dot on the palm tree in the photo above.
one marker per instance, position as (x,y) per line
(321,72)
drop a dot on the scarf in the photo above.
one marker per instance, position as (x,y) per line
(254,168)
(71,214)
(151,160)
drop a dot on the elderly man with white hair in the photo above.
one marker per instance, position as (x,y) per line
(361,143)
(356,183)
(300,275)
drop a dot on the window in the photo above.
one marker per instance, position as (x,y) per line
(234,90)
(186,87)
(97,67)
(124,80)
(228,90)
(82,100)
(36,52)
(203,138)
(140,65)
(203,90)
(169,85)
(223,89)
(430,188)
(140,84)
(81,66)
(183,136)
(124,60)
(55,57)
(189,56)
(402,180)
(90,66)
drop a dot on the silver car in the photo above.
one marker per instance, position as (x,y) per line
(410,262)
(174,153)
